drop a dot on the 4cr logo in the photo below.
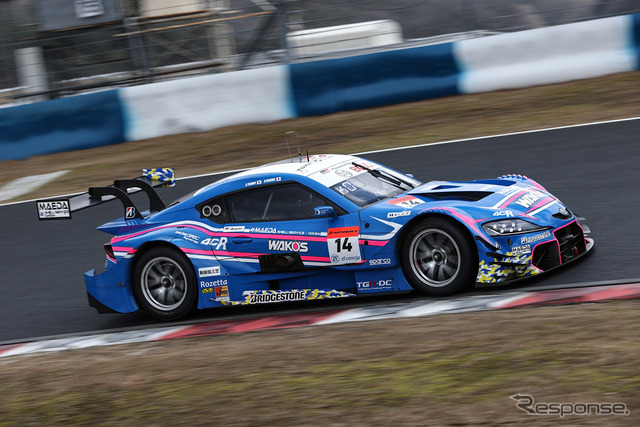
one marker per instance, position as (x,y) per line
(219,243)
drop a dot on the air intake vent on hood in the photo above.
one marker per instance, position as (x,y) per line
(473,196)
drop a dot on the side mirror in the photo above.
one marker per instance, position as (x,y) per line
(325,212)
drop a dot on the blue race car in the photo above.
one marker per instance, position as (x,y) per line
(324,226)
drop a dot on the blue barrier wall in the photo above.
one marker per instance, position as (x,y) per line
(364,81)
(636,38)
(513,60)
(84,121)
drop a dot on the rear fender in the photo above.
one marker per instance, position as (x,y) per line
(213,280)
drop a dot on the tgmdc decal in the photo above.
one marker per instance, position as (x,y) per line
(375,284)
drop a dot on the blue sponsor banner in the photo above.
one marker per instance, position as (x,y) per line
(376,79)
(73,123)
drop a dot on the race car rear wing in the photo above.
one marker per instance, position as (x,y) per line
(61,208)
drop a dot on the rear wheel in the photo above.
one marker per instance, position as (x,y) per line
(438,258)
(165,284)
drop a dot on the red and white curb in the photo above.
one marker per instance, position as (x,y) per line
(403,310)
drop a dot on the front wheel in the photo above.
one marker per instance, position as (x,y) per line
(438,258)
(165,284)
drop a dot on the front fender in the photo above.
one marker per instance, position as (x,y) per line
(482,242)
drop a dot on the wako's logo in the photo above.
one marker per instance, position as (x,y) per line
(529,199)
(130,213)
(288,246)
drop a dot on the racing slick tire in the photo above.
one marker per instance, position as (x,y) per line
(438,258)
(165,284)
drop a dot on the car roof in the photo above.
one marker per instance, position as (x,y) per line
(313,166)
(303,166)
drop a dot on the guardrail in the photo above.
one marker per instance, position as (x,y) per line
(527,58)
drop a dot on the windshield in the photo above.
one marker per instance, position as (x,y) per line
(372,186)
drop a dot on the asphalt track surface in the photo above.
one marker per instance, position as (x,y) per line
(593,169)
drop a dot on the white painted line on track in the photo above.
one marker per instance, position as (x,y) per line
(407,147)
(27,184)
(501,135)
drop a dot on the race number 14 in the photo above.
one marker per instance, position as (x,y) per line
(343,245)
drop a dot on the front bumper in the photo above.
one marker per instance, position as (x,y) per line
(563,245)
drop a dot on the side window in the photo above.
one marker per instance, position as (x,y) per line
(288,201)
(215,210)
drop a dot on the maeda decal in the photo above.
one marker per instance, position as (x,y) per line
(54,209)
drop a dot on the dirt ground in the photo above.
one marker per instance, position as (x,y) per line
(450,369)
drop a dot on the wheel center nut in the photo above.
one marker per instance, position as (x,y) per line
(166,281)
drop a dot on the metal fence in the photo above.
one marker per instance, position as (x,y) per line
(54,48)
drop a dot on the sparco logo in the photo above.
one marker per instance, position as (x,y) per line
(288,246)
(277,297)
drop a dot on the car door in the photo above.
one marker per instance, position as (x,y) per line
(269,221)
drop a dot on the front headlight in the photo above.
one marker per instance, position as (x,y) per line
(507,227)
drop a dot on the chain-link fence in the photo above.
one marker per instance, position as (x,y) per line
(52,48)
